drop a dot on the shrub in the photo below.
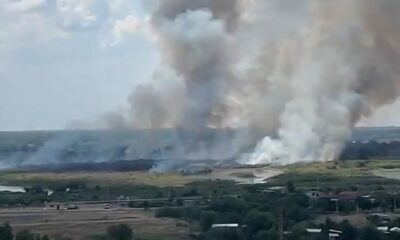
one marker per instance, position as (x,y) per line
(169,212)
(119,232)
(6,232)
(207,219)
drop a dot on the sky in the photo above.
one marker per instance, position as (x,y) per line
(73,60)
(69,60)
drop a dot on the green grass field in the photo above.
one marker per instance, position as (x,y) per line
(346,175)
(341,174)
(96,178)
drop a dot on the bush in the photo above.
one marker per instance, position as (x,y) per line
(193,213)
(146,205)
(370,233)
(6,232)
(25,235)
(207,219)
(119,232)
(229,205)
(290,187)
(258,221)
(348,231)
(297,214)
(262,235)
(169,212)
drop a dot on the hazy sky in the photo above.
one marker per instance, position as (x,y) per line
(67,60)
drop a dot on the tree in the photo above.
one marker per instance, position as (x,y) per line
(394,236)
(223,234)
(364,203)
(262,235)
(6,232)
(257,221)
(298,214)
(25,235)
(370,233)
(179,202)
(228,205)
(298,233)
(146,205)
(169,212)
(119,232)
(301,200)
(206,220)
(348,231)
(290,187)
(45,237)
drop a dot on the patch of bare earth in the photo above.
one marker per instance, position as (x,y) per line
(82,224)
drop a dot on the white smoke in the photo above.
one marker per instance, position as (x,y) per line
(346,67)
(303,73)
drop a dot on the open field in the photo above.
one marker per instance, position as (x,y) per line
(84,223)
(348,174)
(344,168)
(241,175)
(301,173)
(97,178)
(388,173)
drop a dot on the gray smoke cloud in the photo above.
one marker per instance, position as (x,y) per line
(195,41)
(301,73)
(346,66)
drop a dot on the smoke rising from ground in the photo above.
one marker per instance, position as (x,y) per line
(347,61)
(302,73)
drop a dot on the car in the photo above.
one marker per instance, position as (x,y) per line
(72,207)
(107,206)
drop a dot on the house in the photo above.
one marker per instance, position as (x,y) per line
(314,230)
(273,190)
(333,234)
(349,196)
(226,225)
(380,217)
(395,229)
(314,195)
(384,229)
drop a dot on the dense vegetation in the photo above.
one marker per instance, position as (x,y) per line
(265,216)
(371,150)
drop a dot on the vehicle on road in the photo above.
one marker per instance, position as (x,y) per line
(72,207)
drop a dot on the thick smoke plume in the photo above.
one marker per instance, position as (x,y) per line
(303,72)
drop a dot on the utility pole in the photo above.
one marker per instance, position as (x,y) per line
(358,206)
(108,193)
(337,206)
(281,223)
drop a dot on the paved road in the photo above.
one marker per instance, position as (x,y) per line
(89,206)
(82,208)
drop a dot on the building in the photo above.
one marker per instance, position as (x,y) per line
(226,225)
(273,190)
(333,234)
